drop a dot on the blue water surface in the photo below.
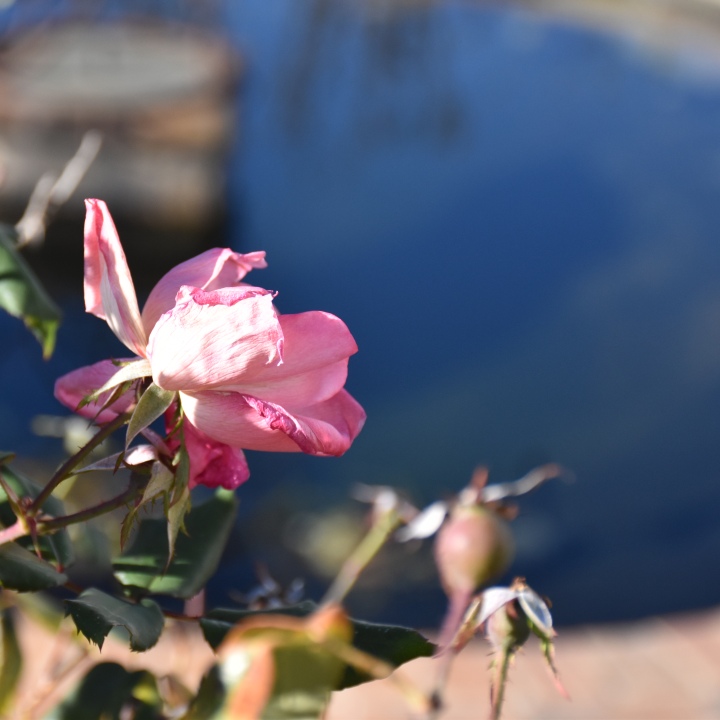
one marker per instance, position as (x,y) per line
(518,220)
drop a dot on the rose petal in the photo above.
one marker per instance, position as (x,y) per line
(109,289)
(213,464)
(72,388)
(316,347)
(211,338)
(211,270)
(243,421)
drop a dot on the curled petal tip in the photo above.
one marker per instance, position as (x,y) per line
(109,290)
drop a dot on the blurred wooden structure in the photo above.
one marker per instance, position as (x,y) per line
(162,94)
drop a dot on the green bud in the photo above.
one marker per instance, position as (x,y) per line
(508,628)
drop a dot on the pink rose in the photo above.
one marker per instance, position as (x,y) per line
(246,376)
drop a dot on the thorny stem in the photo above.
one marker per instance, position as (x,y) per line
(65,470)
(377,536)
(443,673)
(89,513)
(20,528)
(497,689)
(13,532)
(449,648)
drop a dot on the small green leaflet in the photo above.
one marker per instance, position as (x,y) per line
(153,403)
(96,613)
(22,295)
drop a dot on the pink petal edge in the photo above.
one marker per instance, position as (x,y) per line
(73,387)
(247,422)
(211,270)
(109,290)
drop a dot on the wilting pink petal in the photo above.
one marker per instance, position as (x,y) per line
(211,270)
(213,464)
(72,388)
(327,428)
(109,289)
(316,348)
(211,338)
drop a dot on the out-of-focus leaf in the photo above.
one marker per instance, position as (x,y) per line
(10,662)
(24,571)
(305,676)
(197,554)
(110,692)
(392,644)
(22,295)
(6,457)
(217,623)
(55,547)
(96,613)
(275,666)
(153,403)
(209,700)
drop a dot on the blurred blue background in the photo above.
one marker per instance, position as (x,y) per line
(517,217)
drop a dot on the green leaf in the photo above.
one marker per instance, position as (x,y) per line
(392,643)
(161,480)
(10,662)
(6,457)
(209,698)
(22,295)
(96,613)
(127,526)
(153,403)
(176,514)
(10,497)
(24,571)
(57,546)
(197,554)
(305,676)
(110,692)
(181,463)
(217,623)
(127,372)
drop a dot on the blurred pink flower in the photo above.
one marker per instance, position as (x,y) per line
(247,377)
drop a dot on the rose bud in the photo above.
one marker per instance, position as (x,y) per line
(472,547)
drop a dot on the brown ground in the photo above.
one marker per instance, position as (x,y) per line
(656,669)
